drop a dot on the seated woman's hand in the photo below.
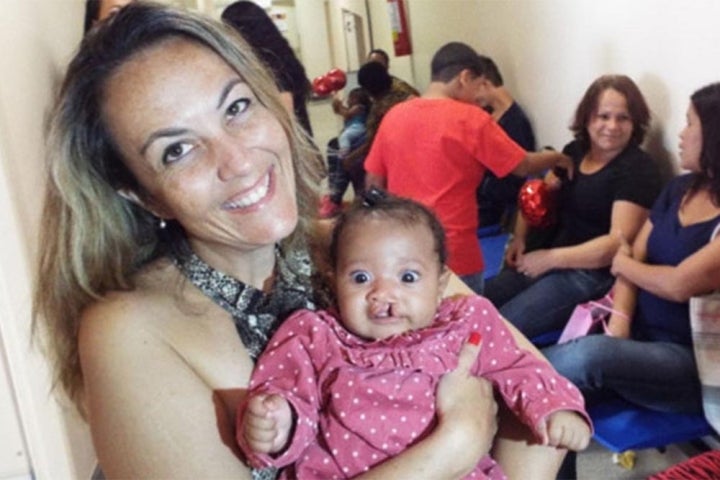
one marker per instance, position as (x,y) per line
(623,253)
(618,326)
(514,251)
(466,409)
(536,263)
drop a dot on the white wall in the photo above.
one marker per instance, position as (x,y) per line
(36,39)
(549,51)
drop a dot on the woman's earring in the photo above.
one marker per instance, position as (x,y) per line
(162,224)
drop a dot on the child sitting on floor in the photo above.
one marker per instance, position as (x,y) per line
(352,135)
(341,390)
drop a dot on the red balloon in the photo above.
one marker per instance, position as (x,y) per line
(321,86)
(537,203)
(338,79)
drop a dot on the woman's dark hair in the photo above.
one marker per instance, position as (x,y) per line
(92,10)
(636,105)
(273,49)
(706,102)
(379,204)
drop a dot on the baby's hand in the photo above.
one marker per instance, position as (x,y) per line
(267,423)
(565,429)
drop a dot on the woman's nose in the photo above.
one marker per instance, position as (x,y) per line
(613,122)
(233,159)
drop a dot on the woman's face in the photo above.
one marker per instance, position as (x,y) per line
(610,126)
(204,149)
(388,278)
(691,141)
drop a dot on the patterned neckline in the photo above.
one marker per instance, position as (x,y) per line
(256,314)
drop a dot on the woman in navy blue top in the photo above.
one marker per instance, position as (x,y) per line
(647,357)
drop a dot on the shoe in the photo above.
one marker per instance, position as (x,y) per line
(328,208)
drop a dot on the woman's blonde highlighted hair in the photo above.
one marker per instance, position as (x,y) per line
(93,240)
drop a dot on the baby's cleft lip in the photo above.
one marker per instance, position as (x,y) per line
(380,310)
(251,196)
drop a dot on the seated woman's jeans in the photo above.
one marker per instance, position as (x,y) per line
(476,282)
(542,305)
(657,375)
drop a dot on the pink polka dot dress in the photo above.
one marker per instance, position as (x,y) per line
(360,402)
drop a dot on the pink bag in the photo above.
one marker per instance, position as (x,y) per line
(587,318)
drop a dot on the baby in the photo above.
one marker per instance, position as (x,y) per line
(339,391)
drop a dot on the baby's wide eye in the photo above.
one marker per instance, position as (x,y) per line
(360,277)
(410,277)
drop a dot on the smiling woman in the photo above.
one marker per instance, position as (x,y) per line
(220,168)
(174,170)
(609,197)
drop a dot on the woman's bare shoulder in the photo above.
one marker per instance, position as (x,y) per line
(163,314)
(157,353)
(121,310)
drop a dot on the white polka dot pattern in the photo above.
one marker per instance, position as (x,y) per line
(370,400)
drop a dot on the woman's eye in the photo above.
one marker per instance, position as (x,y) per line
(360,277)
(175,152)
(238,107)
(410,277)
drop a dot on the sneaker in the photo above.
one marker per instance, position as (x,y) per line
(328,208)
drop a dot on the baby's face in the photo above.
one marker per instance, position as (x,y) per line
(388,278)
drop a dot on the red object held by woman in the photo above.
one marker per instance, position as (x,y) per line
(537,203)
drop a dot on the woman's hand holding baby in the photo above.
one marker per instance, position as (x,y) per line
(466,407)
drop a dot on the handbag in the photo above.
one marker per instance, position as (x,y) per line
(705,327)
(588,318)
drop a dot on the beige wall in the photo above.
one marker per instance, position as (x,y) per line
(548,50)
(36,40)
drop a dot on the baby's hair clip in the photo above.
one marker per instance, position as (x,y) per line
(373,196)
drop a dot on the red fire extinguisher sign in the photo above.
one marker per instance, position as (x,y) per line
(398,25)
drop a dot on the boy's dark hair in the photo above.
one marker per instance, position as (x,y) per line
(374,78)
(451,59)
(377,203)
(491,71)
(382,53)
